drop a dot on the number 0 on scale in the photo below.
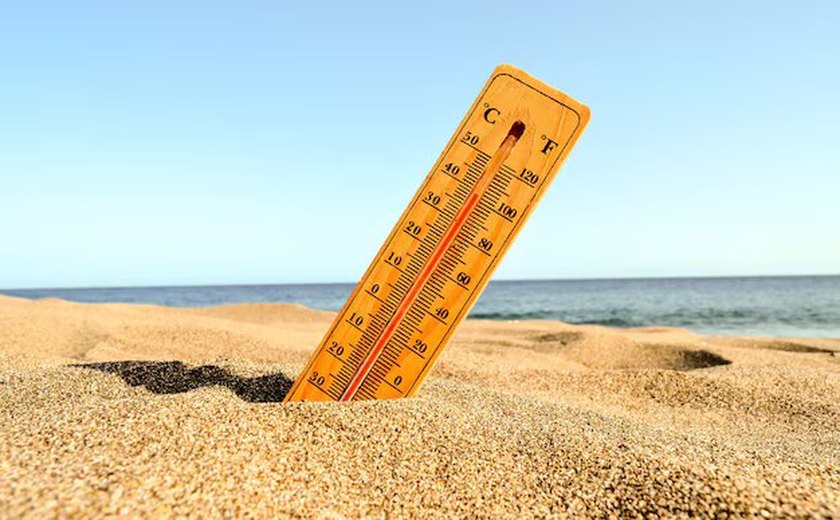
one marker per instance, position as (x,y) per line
(439,257)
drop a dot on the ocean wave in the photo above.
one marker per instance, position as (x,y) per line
(696,317)
(554,315)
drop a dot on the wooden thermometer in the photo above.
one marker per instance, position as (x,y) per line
(440,255)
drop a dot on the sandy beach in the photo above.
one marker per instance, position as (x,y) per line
(144,410)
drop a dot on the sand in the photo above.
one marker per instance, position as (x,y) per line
(151,411)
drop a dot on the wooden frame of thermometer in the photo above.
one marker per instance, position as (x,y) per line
(439,257)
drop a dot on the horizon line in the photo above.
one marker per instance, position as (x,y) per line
(507,280)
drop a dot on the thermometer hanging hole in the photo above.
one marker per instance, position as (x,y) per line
(517,129)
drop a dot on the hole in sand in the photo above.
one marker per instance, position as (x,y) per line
(694,359)
(616,354)
(175,377)
(792,346)
(643,356)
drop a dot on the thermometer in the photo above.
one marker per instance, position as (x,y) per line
(440,254)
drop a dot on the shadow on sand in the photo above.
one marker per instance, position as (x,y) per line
(175,377)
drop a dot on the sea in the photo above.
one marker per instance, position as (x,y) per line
(796,306)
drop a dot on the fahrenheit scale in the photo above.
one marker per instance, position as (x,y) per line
(441,253)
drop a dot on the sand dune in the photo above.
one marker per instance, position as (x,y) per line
(116,408)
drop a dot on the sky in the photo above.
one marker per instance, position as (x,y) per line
(204,142)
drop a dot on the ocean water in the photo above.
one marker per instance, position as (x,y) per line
(804,306)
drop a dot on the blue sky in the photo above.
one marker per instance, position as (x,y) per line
(154,143)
